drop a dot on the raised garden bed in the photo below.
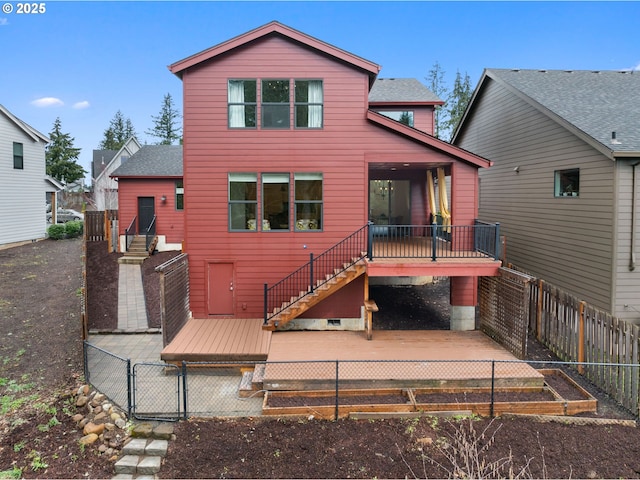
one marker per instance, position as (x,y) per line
(560,395)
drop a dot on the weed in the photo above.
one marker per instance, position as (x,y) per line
(277,453)
(15,473)
(37,462)
(19,446)
(51,423)
(411,428)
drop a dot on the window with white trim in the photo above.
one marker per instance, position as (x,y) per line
(567,183)
(18,156)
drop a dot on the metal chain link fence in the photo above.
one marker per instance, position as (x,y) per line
(333,389)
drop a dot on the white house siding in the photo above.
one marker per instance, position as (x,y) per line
(106,188)
(567,241)
(22,196)
(627,281)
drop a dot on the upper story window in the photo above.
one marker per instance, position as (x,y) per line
(308,103)
(567,183)
(179,195)
(402,116)
(242,103)
(274,109)
(243,201)
(18,156)
(275,103)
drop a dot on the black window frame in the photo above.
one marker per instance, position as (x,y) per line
(18,158)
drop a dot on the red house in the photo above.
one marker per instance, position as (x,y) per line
(289,155)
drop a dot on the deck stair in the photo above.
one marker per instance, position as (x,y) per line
(137,251)
(323,289)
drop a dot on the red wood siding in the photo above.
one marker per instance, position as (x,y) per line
(343,150)
(169,221)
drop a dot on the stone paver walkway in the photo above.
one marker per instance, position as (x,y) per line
(132,311)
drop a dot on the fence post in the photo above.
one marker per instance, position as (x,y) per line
(337,401)
(493,382)
(265,303)
(539,311)
(581,339)
(129,389)
(184,389)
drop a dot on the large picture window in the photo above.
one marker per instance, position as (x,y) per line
(275,104)
(567,183)
(243,201)
(308,103)
(308,201)
(275,201)
(18,156)
(242,103)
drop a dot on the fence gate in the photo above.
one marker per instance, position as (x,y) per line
(504,309)
(158,391)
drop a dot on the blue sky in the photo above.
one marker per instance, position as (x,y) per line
(83,61)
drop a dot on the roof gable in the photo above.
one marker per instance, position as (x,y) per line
(26,128)
(125,148)
(428,140)
(276,28)
(590,104)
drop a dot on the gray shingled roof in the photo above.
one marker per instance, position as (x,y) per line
(153,161)
(401,90)
(596,102)
(101,158)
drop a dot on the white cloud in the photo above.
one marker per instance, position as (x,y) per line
(47,102)
(4,21)
(81,105)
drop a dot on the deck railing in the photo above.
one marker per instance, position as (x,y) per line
(131,232)
(480,240)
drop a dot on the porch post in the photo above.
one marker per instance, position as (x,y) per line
(464,297)
(370,240)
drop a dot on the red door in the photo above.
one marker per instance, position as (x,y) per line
(221,288)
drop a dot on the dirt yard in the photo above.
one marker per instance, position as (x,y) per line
(41,362)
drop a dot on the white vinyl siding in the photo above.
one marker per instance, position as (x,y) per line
(22,196)
(568,241)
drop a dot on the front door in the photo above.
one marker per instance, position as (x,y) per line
(146,212)
(220,288)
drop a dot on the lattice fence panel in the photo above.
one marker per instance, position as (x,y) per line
(174,296)
(504,309)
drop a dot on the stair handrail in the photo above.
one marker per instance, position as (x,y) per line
(315,273)
(150,232)
(130,233)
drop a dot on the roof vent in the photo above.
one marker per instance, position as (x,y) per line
(614,140)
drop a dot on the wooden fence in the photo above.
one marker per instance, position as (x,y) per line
(98,225)
(606,347)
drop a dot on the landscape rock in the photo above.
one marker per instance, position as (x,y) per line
(89,439)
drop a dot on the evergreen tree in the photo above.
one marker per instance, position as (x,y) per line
(458,100)
(165,126)
(120,130)
(436,83)
(61,156)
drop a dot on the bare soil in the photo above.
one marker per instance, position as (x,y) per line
(41,363)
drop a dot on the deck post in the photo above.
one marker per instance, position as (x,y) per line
(496,253)
(370,240)
(434,240)
(266,289)
(311,282)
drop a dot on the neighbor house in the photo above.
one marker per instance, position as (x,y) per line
(23,196)
(286,161)
(564,187)
(151,194)
(105,162)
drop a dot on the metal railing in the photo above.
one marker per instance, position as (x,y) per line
(150,232)
(315,273)
(131,232)
(434,241)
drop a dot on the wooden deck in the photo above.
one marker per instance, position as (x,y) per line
(306,360)
(409,359)
(224,339)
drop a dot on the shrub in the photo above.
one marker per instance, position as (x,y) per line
(57,232)
(73,229)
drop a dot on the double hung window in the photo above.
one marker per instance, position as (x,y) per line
(243,201)
(179,195)
(308,103)
(242,103)
(275,103)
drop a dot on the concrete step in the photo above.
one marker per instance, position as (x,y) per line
(142,456)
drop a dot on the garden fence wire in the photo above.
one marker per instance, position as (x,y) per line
(332,389)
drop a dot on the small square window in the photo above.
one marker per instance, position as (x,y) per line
(567,183)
